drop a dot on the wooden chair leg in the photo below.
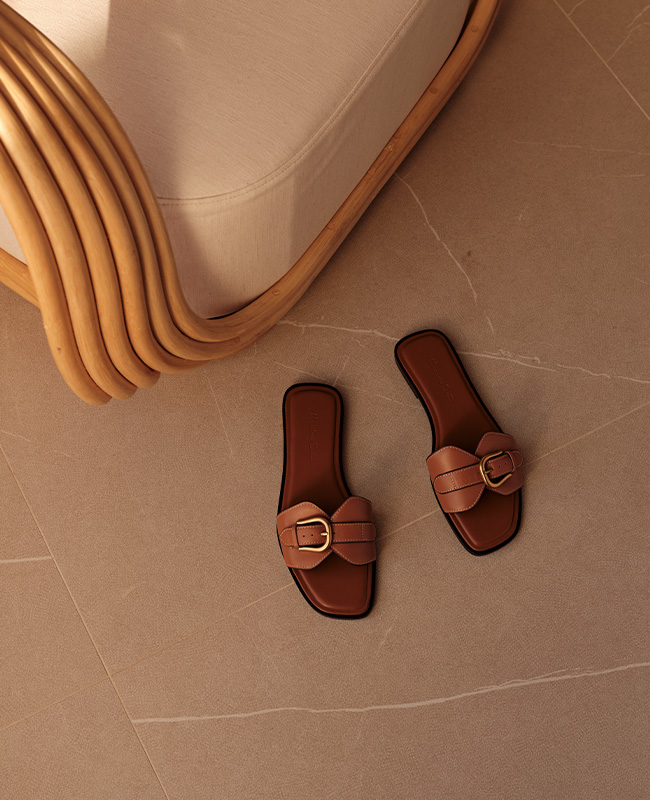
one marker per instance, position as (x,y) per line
(36,246)
(93,196)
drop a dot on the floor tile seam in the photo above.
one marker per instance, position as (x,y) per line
(196,632)
(58,568)
(169,645)
(82,690)
(138,737)
(22,494)
(107,675)
(602,60)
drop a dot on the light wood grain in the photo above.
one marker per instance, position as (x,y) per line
(124,303)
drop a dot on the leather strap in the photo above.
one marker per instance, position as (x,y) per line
(459,478)
(352,528)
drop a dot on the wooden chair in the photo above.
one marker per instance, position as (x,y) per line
(100,265)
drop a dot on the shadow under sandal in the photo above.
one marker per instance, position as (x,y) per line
(327,536)
(475,468)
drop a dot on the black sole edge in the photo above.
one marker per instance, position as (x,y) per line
(417,394)
(345,484)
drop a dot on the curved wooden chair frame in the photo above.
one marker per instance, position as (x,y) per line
(99,261)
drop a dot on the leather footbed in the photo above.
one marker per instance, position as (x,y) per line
(458,417)
(313,472)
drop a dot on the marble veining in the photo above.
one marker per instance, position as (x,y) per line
(516,683)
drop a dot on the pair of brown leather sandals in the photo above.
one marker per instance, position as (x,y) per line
(327,535)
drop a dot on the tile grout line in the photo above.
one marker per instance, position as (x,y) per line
(83,622)
(169,645)
(604,62)
(379,538)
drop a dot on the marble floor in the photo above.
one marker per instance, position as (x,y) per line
(154,645)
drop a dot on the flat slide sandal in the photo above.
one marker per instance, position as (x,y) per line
(475,468)
(327,535)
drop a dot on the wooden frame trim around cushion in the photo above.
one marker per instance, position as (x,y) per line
(101,267)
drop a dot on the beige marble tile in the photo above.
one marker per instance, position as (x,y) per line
(517,227)
(46,651)
(148,507)
(82,749)
(528,666)
(579,738)
(620,33)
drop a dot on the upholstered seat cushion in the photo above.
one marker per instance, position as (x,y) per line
(254,119)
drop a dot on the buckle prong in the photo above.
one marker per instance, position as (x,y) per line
(483,468)
(327,533)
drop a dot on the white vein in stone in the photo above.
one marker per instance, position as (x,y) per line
(24,560)
(516,683)
(577,5)
(638,16)
(341,371)
(363,331)
(378,396)
(223,426)
(627,39)
(437,235)
(505,358)
(408,524)
(17,436)
(346,385)
(606,63)
(591,432)
(604,375)
(562,146)
(301,371)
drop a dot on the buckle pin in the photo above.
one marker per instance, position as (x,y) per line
(327,533)
(484,470)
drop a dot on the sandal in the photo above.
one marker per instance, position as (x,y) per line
(327,536)
(475,468)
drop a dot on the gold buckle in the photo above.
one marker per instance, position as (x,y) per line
(327,533)
(484,470)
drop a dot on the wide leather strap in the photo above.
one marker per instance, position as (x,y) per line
(352,537)
(459,478)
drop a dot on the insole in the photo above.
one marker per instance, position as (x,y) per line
(312,426)
(457,414)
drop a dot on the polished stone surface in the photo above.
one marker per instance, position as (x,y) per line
(149,615)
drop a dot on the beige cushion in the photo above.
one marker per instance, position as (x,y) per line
(254,119)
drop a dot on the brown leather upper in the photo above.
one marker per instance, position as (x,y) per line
(456,475)
(353,533)
(339,580)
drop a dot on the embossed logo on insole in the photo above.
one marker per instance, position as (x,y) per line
(313,436)
(446,388)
